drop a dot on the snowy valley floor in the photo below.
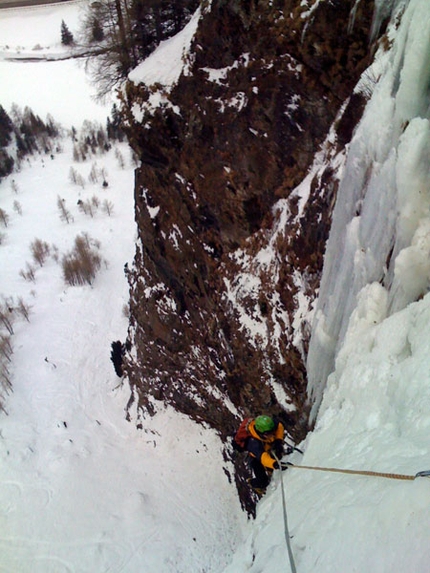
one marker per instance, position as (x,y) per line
(82,491)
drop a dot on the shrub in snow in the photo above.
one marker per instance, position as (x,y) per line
(28,273)
(81,265)
(40,251)
(4,217)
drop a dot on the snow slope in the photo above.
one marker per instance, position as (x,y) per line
(82,490)
(374,410)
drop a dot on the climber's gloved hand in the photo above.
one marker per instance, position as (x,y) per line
(278,448)
(284,466)
(290,450)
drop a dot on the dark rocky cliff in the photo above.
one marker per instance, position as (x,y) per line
(229,257)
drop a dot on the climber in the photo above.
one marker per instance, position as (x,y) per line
(260,438)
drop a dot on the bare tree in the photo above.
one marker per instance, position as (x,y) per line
(94,174)
(29,273)
(17,207)
(6,315)
(107,207)
(23,309)
(6,349)
(120,158)
(86,207)
(112,45)
(40,251)
(80,181)
(81,265)
(65,214)
(73,175)
(120,33)
(4,217)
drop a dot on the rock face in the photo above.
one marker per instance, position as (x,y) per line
(233,212)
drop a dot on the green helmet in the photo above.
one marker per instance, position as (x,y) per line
(264,424)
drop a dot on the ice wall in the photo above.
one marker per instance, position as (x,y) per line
(381,222)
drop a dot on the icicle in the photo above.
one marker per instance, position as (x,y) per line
(380,225)
(383,9)
(352,16)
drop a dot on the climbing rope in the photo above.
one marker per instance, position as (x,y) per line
(425,473)
(363,472)
(284,509)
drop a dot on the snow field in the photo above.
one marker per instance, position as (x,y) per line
(374,411)
(82,490)
(59,88)
(374,416)
(25,28)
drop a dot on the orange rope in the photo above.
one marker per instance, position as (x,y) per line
(356,472)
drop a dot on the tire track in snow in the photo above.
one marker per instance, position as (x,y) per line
(12,491)
(29,552)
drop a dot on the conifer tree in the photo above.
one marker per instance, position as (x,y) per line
(66,35)
(6,128)
(97,33)
(121,33)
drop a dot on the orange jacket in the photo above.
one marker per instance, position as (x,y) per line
(266,442)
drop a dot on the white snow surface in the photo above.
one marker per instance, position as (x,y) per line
(374,409)
(165,65)
(59,88)
(83,491)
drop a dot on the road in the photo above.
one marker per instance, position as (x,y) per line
(28,3)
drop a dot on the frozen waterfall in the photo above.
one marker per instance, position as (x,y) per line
(381,221)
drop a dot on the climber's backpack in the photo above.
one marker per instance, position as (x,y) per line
(242,434)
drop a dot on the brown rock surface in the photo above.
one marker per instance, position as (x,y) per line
(219,271)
